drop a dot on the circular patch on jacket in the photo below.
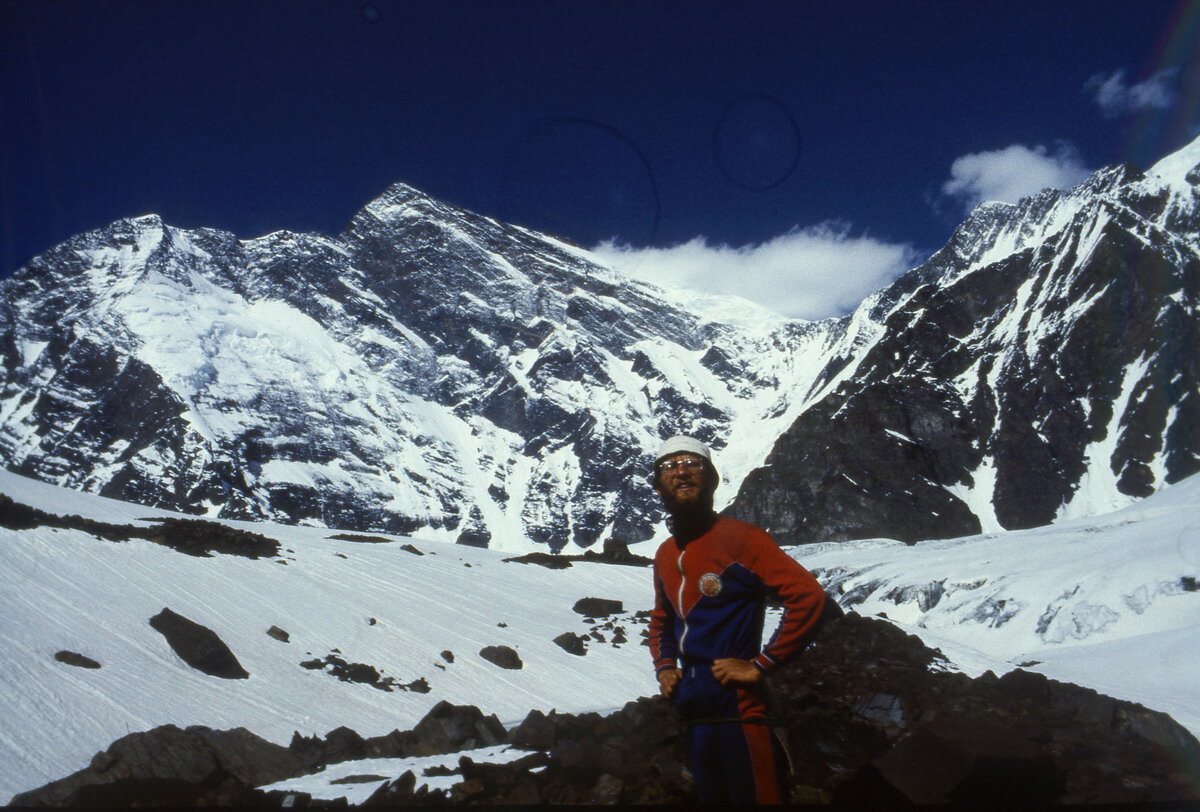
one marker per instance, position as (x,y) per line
(710,585)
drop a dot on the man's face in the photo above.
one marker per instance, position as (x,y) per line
(684,482)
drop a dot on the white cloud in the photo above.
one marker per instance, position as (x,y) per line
(1014,172)
(809,273)
(1116,97)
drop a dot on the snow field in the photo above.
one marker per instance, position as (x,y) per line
(69,590)
(1108,602)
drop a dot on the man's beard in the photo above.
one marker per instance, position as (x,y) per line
(689,514)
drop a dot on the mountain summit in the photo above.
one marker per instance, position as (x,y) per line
(431,369)
(1042,365)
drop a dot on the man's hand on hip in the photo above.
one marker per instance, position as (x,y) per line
(731,672)
(668,681)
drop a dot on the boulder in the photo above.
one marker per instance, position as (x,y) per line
(168,753)
(571,643)
(198,646)
(448,728)
(76,659)
(503,656)
(598,607)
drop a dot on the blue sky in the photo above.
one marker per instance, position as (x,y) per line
(799,153)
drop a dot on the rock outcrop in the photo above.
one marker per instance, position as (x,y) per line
(170,759)
(870,714)
(871,717)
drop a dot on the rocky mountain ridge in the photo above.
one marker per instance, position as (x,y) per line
(431,369)
(1042,365)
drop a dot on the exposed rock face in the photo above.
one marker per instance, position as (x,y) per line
(1042,364)
(169,754)
(194,537)
(198,646)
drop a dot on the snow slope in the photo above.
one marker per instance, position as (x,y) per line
(69,590)
(1086,599)
(1110,601)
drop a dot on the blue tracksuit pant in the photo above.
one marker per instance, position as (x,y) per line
(732,762)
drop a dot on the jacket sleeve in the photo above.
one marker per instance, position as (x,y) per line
(802,597)
(663,646)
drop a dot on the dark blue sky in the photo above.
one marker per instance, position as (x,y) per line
(652,122)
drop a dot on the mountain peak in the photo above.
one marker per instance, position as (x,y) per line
(1179,164)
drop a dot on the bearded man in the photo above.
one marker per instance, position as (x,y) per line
(711,582)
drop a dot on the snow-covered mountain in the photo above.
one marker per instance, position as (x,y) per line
(1124,594)
(1041,366)
(432,370)
(428,369)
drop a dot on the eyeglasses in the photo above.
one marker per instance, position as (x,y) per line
(680,464)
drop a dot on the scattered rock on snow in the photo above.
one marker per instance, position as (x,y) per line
(871,716)
(279,634)
(503,656)
(598,607)
(198,646)
(571,643)
(360,537)
(76,659)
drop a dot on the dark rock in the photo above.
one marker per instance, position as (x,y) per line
(194,537)
(202,538)
(219,788)
(503,656)
(198,646)
(346,671)
(75,659)
(279,634)
(359,537)
(448,656)
(343,744)
(548,560)
(536,732)
(403,791)
(571,643)
(358,779)
(871,719)
(448,728)
(438,770)
(598,607)
(408,548)
(167,753)
(419,685)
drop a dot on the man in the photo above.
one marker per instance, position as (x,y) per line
(711,579)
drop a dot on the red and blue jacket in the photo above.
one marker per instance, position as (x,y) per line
(710,598)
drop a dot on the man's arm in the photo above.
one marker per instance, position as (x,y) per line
(802,597)
(663,646)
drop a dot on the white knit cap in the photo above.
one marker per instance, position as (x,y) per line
(679,444)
